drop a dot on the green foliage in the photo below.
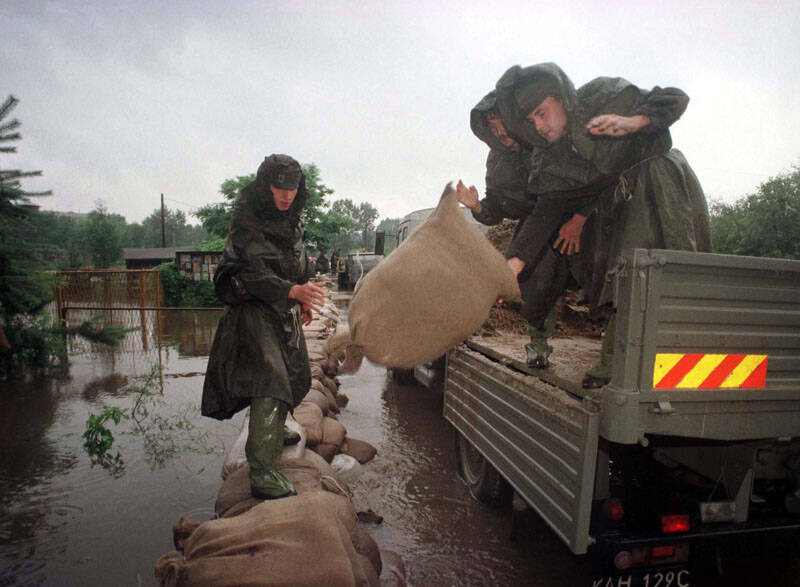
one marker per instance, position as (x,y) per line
(763,224)
(103,233)
(216,218)
(360,233)
(182,292)
(163,435)
(389,228)
(177,232)
(97,439)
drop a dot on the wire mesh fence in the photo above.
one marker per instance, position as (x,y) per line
(133,300)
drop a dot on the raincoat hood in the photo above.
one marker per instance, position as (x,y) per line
(479,124)
(518,85)
(277,170)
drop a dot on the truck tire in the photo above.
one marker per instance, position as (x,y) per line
(403,376)
(484,482)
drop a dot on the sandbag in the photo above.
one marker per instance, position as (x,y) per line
(319,399)
(430,293)
(365,545)
(347,467)
(316,371)
(333,432)
(360,450)
(309,416)
(270,545)
(393,570)
(326,451)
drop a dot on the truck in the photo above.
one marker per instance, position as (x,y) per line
(689,452)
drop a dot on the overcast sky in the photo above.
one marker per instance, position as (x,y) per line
(123,101)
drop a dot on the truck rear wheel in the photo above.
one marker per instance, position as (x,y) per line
(484,482)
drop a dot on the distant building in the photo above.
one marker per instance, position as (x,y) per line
(197,265)
(149,258)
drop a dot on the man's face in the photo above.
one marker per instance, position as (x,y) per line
(283,198)
(550,119)
(499,130)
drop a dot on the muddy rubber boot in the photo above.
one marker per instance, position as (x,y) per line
(600,374)
(537,350)
(263,449)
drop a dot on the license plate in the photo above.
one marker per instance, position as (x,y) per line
(664,578)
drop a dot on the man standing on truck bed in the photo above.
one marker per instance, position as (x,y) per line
(259,354)
(507,197)
(603,153)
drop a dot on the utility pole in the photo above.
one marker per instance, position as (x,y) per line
(163,236)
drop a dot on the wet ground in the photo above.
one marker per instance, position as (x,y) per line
(65,521)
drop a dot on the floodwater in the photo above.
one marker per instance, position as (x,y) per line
(67,521)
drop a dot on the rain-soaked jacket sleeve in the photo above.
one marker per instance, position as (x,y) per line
(490,213)
(663,106)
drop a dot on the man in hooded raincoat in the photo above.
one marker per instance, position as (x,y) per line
(507,197)
(605,151)
(259,356)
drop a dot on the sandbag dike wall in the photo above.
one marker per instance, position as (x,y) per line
(312,538)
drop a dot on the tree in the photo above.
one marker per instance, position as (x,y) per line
(103,234)
(763,224)
(363,217)
(389,228)
(26,337)
(177,232)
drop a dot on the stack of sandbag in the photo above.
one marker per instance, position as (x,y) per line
(430,294)
(309,539)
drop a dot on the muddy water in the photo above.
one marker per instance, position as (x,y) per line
(444,536)
(65,521)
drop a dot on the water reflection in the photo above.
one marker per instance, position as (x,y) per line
(63,521)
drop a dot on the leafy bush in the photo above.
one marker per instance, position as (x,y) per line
(182,292)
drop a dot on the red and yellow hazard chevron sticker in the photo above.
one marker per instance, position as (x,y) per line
(702,371)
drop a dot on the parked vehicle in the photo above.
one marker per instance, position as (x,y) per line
(410,222)
(355,266)
(694,445)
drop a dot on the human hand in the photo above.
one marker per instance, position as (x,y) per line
(468,196)
(569,235)
(306,316)
(517,265)
(616,125)
(310,295)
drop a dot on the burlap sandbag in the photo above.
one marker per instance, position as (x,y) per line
(431,293)
(393,570)
(333,432)
(319,399)
(270,545)
(360,450)
(309,416)
(326,451)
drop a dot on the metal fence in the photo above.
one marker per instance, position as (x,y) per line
(107,290)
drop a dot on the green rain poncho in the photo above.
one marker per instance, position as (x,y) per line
(259,350)
(506,171)
(641,192)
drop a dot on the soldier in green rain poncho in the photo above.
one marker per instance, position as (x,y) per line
(259,357)
(604,154)
(507,197)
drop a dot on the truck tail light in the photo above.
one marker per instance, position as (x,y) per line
(613,510)
(664,551)
(674,524)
